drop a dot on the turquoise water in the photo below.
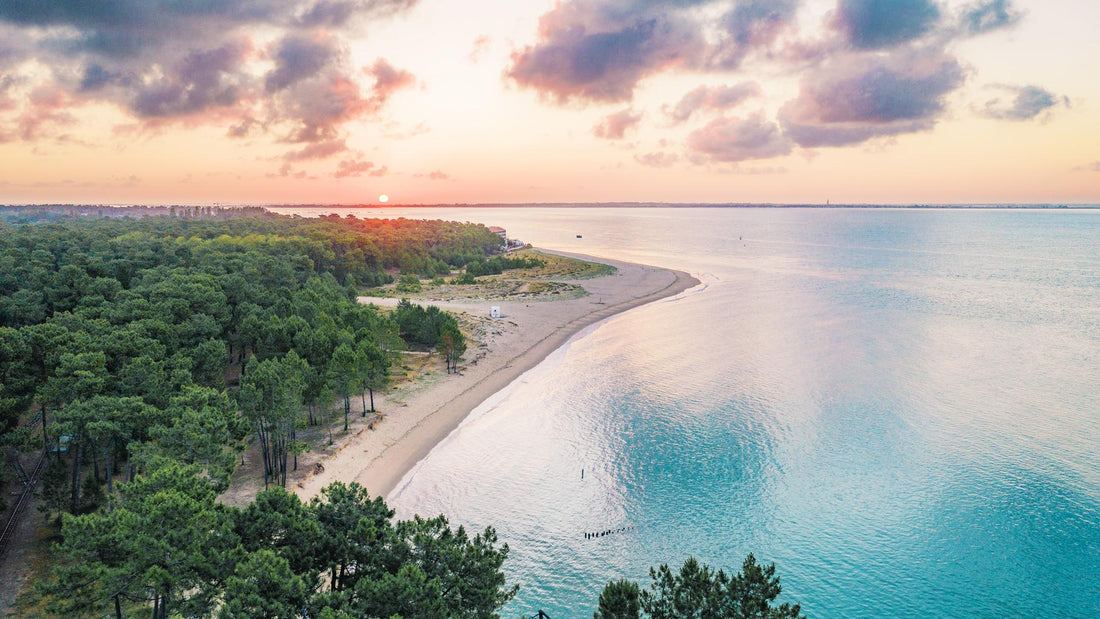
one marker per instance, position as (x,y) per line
(899,408)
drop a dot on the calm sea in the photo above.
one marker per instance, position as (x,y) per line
(900,408)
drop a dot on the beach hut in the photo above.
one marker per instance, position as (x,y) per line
(494,311)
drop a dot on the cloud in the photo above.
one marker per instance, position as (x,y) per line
(353,167)
(200,81)
(337,13)
(8,83)
(320,150)
(481,44)
(855,98)
(47,107)
(434,175)
(733,139)
(615,126)
(750,25)
(599,50)
(316,111)
(1027,103)
(387,80)
(983,17)
(296,58)
(876,24)
(196,61)
(711,98)
(15,45)
(657,159)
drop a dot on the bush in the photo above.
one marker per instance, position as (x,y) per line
(498,264)
(465,278)
(408,283)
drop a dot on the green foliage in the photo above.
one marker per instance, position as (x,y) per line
(498,264)
(465,278)
(165,540)
(53,489)
(619,600)
(263,586)
(699,592)
(202,427)
(409,283)
(128,336)
(271,400)
(420,325)
(452,344)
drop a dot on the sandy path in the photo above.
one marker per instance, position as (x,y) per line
(419,418)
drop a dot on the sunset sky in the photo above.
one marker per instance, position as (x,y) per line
(438,101)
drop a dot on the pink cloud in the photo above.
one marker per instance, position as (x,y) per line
(614,126)
(733,139)
(657,159)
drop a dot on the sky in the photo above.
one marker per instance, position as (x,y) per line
(490,101)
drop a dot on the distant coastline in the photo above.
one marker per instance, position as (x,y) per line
(747,205)
(258,208)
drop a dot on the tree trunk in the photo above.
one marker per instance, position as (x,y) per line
(76,475)
(45,438)
(118,608)
(110,477)
(347,411)
(363,399)
(95,462)
(371,399)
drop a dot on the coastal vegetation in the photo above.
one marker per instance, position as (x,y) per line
(525,274)
(697,590)
(141,356)
(168,543)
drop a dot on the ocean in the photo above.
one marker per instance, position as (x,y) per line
(900,408)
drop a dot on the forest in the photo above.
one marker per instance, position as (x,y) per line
(141,355)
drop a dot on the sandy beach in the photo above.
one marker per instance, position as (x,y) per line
(414,420)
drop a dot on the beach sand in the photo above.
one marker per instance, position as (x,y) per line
(413,420)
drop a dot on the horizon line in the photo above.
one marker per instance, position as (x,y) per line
(624,204)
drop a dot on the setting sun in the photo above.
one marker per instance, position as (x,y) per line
(383,198)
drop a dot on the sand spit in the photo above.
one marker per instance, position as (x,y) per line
(416,419)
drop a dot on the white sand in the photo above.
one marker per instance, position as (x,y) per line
(415,420)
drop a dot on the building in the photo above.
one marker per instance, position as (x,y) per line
(501,232)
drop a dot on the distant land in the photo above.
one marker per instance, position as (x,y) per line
(208,209)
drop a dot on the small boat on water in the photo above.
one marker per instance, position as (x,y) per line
(578,236)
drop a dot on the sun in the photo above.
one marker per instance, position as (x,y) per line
(383,198)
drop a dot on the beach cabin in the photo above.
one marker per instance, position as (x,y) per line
(494,311)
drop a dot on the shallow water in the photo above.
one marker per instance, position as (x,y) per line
(899,408)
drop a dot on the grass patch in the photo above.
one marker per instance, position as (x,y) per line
(542,282)
(562,267)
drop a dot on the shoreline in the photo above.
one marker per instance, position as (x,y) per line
(527,334)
